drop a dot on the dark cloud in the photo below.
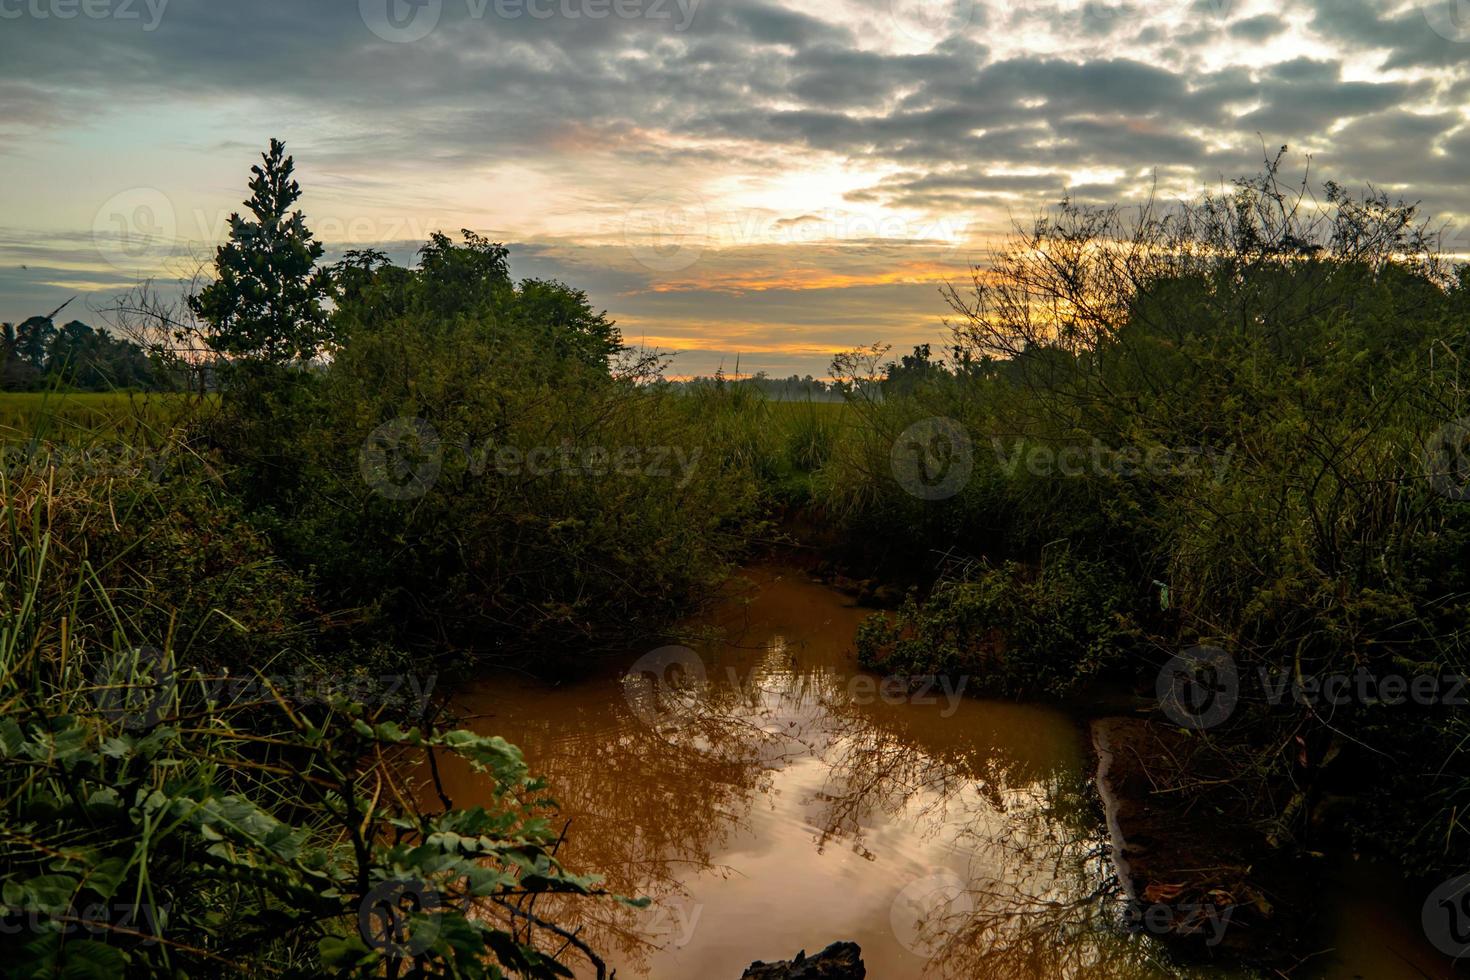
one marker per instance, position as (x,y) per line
(1424,33)
(1257,29)
(608,109)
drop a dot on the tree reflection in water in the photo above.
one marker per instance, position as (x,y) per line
(767,750)
(1041,898)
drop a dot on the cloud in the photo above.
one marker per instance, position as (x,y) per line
(1256,29)
(550,130)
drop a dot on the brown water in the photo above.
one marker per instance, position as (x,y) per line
(789,801)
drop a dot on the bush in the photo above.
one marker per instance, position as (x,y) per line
(465,481)
(158,823)
(1011,632)
(1295,365)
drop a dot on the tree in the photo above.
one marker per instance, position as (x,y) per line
(33,340)
(93,360)
(472,282)
(906,375)
(266,302)
(566,322)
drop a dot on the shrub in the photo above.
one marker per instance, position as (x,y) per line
(153,825)
(1008,630)
(465,481)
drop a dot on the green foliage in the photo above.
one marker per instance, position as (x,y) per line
(911,371)
(556,506)
(1009,631)
(471,281)
(266,300)
(36,356)
(1233,403)
(155,824)
(90,418)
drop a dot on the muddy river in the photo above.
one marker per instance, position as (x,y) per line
(771,796)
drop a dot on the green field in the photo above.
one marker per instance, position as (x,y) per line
(87,416)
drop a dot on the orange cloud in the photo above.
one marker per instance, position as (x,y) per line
(917,272)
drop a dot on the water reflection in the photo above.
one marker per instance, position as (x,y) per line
(769,797)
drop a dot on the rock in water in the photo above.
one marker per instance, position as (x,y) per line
(840,961)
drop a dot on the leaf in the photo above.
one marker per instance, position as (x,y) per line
(87,958)
(50,894)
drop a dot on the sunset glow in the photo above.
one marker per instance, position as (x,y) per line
(840,160)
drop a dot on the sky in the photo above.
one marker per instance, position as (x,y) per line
(732,180)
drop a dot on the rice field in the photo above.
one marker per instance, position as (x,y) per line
(88,416)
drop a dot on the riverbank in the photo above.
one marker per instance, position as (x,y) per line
(769,795)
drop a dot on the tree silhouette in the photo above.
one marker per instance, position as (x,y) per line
(265,303)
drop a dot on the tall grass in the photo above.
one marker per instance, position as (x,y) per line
(138,418)
(166,811)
